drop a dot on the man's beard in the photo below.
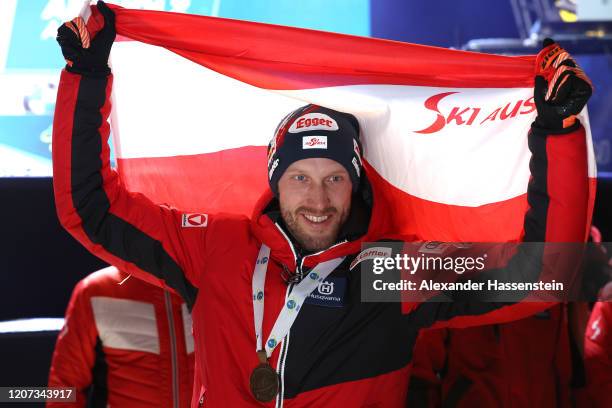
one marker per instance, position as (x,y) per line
(307,241)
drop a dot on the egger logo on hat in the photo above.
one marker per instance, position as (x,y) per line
(313,121)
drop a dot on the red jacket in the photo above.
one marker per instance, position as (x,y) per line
(498,365)
(598,355)
(124,345)
(354,355)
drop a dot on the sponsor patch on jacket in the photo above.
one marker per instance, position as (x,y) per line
(313,121)
(195,220)
(371,253)
(329,293)
(314,142)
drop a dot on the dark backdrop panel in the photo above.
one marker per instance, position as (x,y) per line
(443,24)
(602,214)
(26,358)
(41,262)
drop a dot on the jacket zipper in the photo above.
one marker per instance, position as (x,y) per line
(173,352)
(281,359)
(285,344)
(299,265)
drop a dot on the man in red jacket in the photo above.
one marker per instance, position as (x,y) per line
(125,343)
(262,337)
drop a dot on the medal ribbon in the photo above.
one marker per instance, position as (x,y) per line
(294,302)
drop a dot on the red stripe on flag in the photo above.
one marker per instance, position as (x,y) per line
(428,220)
(278,57)
(229,181)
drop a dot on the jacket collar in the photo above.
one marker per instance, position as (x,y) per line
(282,249)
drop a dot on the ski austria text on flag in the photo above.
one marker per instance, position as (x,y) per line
(196,100)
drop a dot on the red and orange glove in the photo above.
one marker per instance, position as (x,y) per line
(561,89)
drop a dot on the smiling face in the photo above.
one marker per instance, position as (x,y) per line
(315,201)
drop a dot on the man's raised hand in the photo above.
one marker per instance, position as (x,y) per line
(561,89)
(83,54)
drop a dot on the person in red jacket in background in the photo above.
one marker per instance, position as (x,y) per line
(525,363)
(125,343)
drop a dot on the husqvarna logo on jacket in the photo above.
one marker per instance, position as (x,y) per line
(329,293)
(326,288)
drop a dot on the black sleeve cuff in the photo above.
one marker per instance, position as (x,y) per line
(543,131)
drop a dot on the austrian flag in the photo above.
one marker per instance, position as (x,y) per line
(196,100)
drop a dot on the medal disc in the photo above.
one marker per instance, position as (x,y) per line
(264,383)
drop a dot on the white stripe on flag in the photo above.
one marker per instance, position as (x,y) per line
(167,105)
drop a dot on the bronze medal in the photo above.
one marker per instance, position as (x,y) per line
(264,380)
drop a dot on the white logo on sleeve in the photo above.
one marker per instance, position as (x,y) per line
(195,220)
(314,142)
(313,121)
(596,329)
